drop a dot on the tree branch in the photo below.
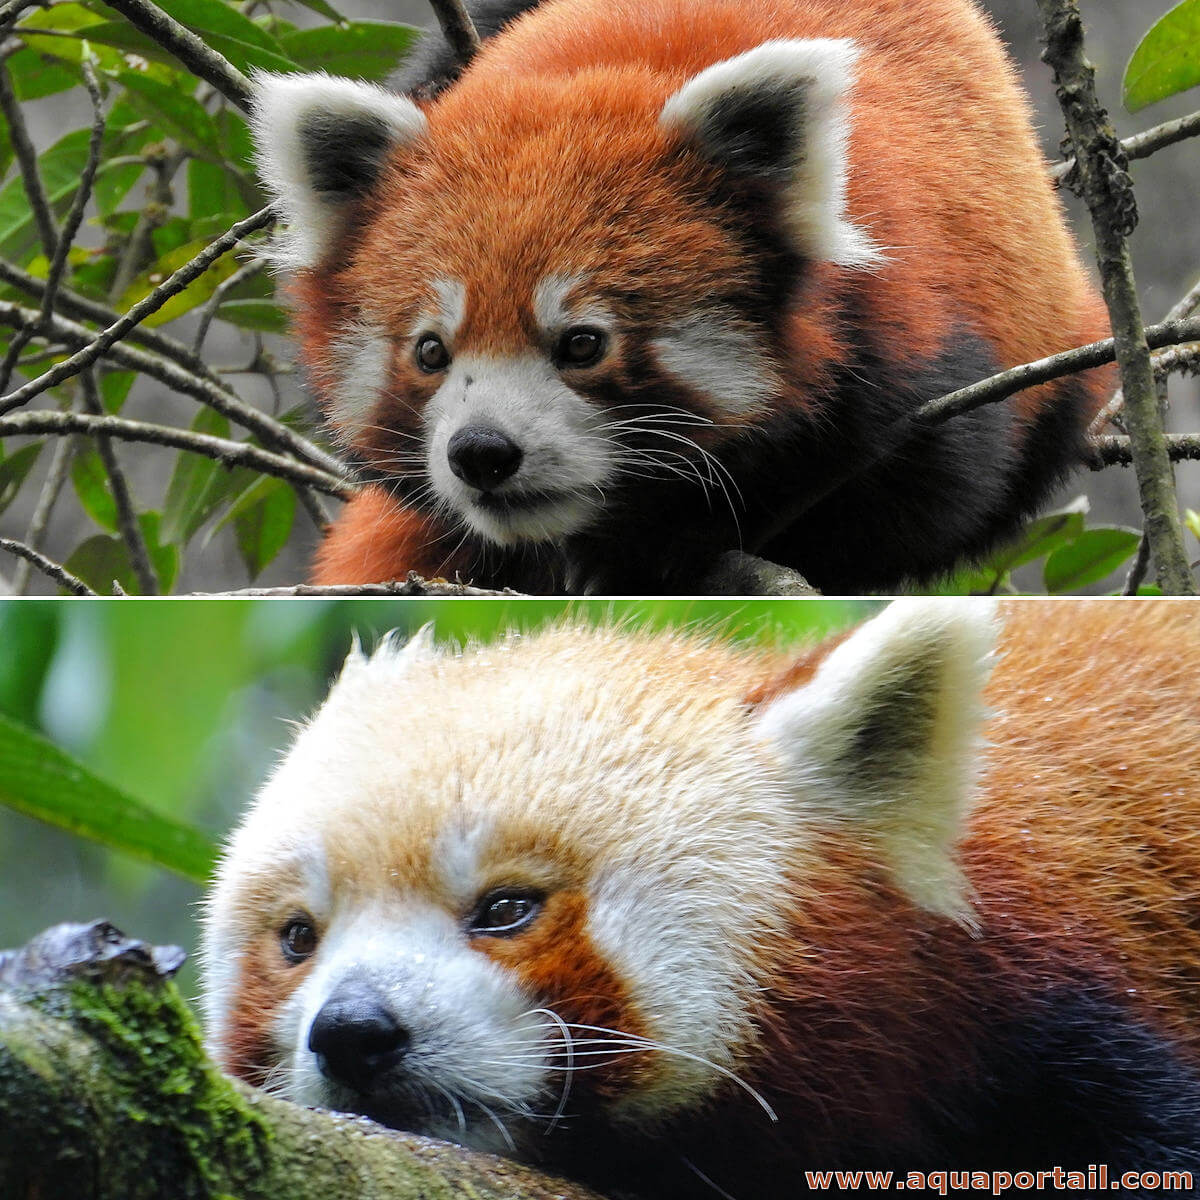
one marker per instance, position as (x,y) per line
(1017,379)
(1142,145)
(227,453)
(47,566)
(171,286)
(106,1092)
(66,235)
(26,156)
(127,522)
(56,477)
(215,395)
(74,305)
(1113,450)
(192,51)
(412,585)
(1100,177)
(457,28)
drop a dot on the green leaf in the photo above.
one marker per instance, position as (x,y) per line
(262,517)
(114,388)
(326,10)
(1046,534)
(60,168)
(213,188)
(13,470)
(34,77)
(93,488)
(104,559)
(1191,518)
(180,115)
(199,485)
(260,315)
(196,293)
(360,50)
(1093,555)
(1167,60)
(41,780)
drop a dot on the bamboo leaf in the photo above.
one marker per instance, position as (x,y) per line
(41,780)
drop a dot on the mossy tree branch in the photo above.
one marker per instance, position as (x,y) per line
(1101,178)
(105,1092)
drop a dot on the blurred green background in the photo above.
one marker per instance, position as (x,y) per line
(182,704)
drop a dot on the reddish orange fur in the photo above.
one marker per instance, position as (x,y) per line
(1082,855)
(582,82)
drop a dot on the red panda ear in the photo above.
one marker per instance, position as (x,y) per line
(778,114)
(884,739)
(321,142)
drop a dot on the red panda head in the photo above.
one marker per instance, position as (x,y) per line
(538,288)
(547,881)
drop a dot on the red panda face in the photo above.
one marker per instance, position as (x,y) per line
(544,882)
(422,922)
(563,286)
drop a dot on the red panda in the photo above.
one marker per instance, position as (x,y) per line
(654,279)
(683,919)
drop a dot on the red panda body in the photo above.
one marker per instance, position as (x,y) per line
(686,920)
(783,226)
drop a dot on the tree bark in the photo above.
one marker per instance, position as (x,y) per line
(106,1094)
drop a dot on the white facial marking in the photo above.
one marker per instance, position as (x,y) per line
(565,462)
(550,300)
(362,359)
(450,306)
(473,1030)
(820,73)
(720,361)
(281,104)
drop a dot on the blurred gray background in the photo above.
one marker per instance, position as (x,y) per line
(1166,249)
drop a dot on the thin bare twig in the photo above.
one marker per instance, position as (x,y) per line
(1146,143)
(1185,306)
(1101,178)
(1139,567)
(192,51)
(127,522)
(172,286)
(47,566)
(216,396)
(70,227)
(139,249)
(26,156)
(457,28)
(74,305)
(1113,450)
(1043,370)
(413,585)
(227,453)
(56,478)
(248,271)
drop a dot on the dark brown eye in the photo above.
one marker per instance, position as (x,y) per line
(580,347)
(298,939)
(504,912)
(432,355)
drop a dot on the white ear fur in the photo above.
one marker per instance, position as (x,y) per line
(886,737)
(284,107)
(394,655)
(801,86)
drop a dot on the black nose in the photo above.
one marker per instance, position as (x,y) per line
(355,1038)
(483,457)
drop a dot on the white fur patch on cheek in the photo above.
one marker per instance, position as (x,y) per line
(361,358)
(718,361)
